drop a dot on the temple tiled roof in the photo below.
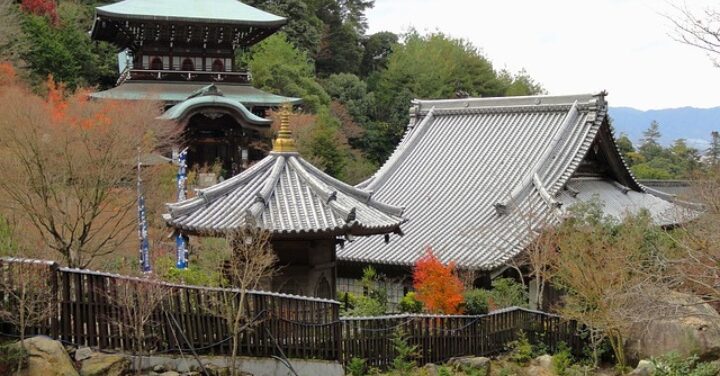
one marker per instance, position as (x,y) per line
(175,92)
(478,177)
(287,195)
(207,11)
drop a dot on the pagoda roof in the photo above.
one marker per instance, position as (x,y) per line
(197,11)
(481,177)
(176,92)
(285,194)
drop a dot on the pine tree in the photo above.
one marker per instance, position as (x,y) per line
(652,134)
(713,151)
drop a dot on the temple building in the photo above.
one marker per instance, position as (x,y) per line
(308,213)
(182,53)
(480,178)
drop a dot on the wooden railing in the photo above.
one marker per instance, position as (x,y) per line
(440,337)
(86,312)
(183,75)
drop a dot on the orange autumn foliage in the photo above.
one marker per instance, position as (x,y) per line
(436,285)
(43,8)
(67,167)
(7,74)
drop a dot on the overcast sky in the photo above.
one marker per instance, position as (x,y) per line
(574,46)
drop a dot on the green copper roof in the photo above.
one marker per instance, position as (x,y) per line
(182,109)
(214,11)
(175,92)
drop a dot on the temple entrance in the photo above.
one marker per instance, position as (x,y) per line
(216,144)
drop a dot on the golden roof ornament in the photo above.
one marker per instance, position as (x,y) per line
(284,142)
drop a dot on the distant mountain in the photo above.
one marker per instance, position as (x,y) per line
(692,124)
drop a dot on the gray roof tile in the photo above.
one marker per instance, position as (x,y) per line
(285,194)
(461,161)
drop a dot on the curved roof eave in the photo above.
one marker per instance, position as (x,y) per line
(185,108)
(217,11)
(282,194)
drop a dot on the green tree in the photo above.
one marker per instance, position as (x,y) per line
(652,134)
(377,50)
(324,146)
(352,92)
(687,159)
(713,152)
(627,149)
(519,84)
(340,50)
(432,66)
(277,66)
(624,144)
(65,51)
(303,28)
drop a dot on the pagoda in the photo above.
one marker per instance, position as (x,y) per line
(307,212)
(182,53)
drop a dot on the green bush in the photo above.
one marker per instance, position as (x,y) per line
(372,304)
(471,371)
(506,292)
(562,360)
(405,354)
(12,355)
(674,365)
(444,371)
(476,301)
(357,367)
(521,350)
(409,304)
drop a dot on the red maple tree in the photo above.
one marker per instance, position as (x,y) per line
(436,285)
(45,8)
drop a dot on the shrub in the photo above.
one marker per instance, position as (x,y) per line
(521,349)
(409,304)
(356,367)
(405,354)
(12,357)
(562,360)
(476,301)
(674,365)
(506,292)
(372,304)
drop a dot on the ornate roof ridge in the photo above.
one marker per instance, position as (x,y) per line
(421,106)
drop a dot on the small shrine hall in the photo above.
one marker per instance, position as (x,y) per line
(307,212)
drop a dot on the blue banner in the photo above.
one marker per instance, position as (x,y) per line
(180,240)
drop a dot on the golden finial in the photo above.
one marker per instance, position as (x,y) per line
(284,142)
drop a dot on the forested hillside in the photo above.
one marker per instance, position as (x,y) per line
(693,124)
(650,159)
(357,87)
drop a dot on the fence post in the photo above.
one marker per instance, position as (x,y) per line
(337,326)
(55,320)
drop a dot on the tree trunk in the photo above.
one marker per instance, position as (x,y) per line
(233,356)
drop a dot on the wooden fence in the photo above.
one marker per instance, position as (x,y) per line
(440,337)
(97,310)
